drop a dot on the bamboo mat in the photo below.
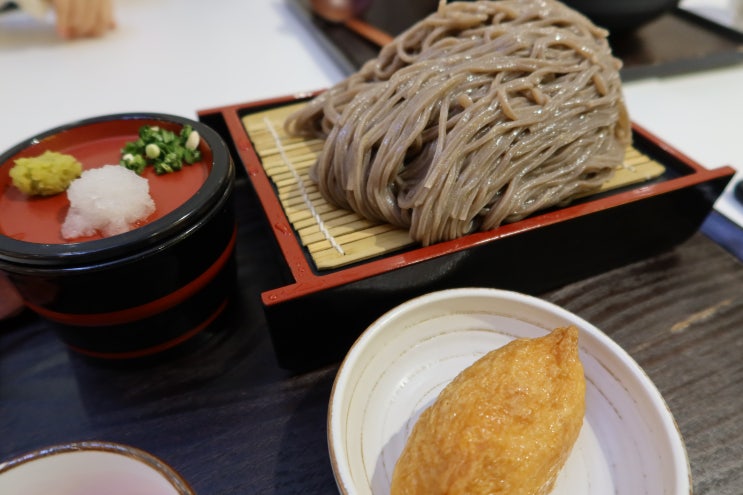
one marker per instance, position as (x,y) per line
(336,237)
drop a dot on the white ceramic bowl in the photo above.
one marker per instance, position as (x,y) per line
(90,468)
(629,443)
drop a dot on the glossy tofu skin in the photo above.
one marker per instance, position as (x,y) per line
(504,425)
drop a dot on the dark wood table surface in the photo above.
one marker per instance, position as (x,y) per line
(231,421)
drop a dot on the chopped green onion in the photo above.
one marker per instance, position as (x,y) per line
(152,151)
(165,150)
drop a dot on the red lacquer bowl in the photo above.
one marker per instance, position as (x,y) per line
(137,293)
(37,219)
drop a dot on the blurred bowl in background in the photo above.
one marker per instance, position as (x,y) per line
(339,10)
(620,16)
(135,294)
(90,468)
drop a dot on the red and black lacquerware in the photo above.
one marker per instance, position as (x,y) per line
(539,253)
(138,293)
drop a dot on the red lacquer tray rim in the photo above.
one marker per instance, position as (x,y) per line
(306,279)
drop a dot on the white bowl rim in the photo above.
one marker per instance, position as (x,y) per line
(343,477)
(169,473)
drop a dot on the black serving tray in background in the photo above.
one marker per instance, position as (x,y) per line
(675,43)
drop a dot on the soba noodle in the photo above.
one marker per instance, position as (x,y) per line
(479,114)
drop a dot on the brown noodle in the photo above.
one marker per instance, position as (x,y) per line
(481,113)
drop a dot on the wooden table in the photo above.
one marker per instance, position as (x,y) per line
(231,421)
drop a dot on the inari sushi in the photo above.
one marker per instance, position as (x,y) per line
(504,425)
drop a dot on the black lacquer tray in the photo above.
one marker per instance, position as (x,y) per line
(308,309)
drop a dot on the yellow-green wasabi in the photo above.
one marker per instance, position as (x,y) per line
(45,175)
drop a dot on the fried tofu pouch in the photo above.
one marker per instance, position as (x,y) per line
(504,425)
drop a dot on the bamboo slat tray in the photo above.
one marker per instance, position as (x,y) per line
(335,237)
(346,269)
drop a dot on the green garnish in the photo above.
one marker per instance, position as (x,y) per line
(165,150)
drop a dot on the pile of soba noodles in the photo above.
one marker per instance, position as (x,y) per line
(479,114)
